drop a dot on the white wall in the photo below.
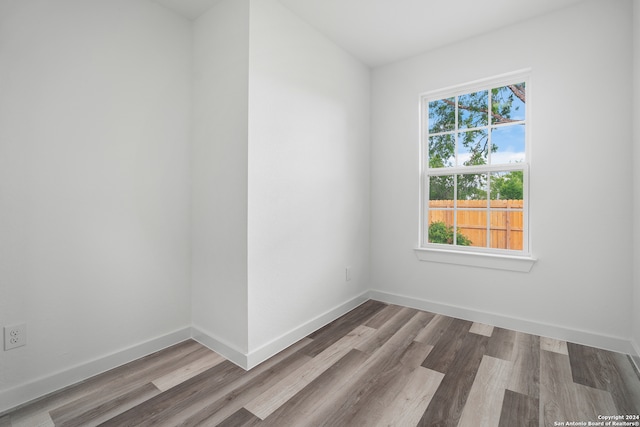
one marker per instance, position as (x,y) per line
(308,174)
(219,174)
(581,182)
(94,127)
(636,169)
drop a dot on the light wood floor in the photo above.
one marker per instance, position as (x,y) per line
(379,365)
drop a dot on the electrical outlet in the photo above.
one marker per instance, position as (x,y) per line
(347,274)
(15,336)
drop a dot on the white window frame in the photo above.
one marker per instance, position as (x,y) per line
(505,259)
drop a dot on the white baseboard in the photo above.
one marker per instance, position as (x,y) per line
(21,394)
(275,346)
(605,342)
(635,355)
(220,346)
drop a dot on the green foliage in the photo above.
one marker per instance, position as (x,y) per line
(504,186)
(441,151)
(439,232)
(502,102)
(441,187)
(508,186)
(472,186)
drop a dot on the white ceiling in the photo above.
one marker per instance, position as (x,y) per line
(382,31)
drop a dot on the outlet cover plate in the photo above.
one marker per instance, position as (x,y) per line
(15,336)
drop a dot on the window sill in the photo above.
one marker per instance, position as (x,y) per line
(521,264)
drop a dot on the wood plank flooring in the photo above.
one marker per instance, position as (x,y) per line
(379,365)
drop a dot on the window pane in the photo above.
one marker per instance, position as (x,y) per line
(508,144)
(472,228)
(441,189)
(507,185)
(472,148)
(473,109)
(508,103)
(507,207)
(440,226)
(472,190)
(442,115)
(442,151)
(498,229)
(506,226)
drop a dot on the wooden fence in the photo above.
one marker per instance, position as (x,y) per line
(505,223)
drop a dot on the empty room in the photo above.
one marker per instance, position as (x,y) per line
(319,213)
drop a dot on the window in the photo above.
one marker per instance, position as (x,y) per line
(475,168)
